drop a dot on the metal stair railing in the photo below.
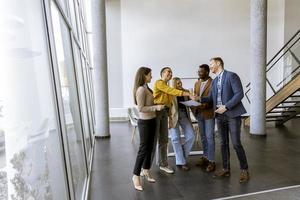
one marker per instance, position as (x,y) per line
(287,58)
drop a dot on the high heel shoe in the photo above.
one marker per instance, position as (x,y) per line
(148,176)
(136,185)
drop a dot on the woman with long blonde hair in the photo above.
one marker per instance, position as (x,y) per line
(180,118)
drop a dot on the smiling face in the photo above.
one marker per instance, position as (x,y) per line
(167,74)
(203,73)
(178,84)
(214,66)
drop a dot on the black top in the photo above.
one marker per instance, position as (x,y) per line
(180,105)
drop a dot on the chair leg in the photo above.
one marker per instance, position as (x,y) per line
(133,133)
(197,132)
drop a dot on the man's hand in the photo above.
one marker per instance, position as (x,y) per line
(221,109)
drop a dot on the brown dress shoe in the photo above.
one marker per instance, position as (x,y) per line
(202,162)
(211,167)
(244,176)
(222,173)
(183,167)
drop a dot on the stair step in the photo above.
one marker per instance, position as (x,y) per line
(295,96)
(291,106)
(273,120)
(291,101)
(282,111)
(278,116)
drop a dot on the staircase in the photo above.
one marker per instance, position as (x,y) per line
(283,84)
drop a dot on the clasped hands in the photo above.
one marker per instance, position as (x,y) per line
(221,109)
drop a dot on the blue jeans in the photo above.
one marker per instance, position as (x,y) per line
(207,132)
(232,126)
(182,148)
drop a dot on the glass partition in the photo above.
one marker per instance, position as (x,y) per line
(32,164)
(70,101)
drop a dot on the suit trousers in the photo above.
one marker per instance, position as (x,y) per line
(228,125)
(147,134)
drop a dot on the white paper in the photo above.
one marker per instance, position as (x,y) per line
(190,103)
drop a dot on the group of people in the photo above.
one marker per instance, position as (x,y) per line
(161,112)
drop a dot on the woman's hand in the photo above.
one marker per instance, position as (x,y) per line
(193,97)
(160,107)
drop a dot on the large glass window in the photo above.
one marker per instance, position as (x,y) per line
(32,164)
(70,101)
(89,87)
(64,5)
(80,29)
(83,101)
(45,140)
(73,11)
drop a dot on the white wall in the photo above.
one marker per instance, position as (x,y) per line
(183,34)
(275,40)
(275,29)
(292,25)
(114,53)
(292,18)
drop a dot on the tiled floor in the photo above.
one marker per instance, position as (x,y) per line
(274,162)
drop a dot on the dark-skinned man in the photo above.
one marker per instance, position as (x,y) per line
(205,117)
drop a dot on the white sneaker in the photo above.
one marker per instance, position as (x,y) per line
(167,169)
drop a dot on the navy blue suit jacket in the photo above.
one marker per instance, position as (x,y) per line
(232,94)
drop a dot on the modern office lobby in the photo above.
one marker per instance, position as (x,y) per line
(68,121)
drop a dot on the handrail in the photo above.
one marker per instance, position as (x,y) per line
(295,57)
(289,76)
(273,58)
(283,54)
(284,46)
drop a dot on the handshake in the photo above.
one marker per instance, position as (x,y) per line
(194,97)
(191,95)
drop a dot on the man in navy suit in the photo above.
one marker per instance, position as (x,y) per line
(226,94)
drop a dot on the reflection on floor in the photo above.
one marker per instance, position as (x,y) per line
(273,160)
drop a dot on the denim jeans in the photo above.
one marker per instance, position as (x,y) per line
(228,125)
(182,148)
(207,132)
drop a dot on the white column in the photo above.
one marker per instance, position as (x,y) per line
(99,63)
(258,18)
